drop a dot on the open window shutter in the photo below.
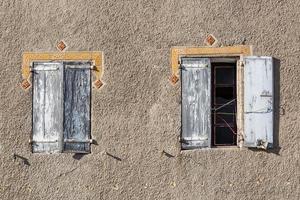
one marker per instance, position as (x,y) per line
(258,102)
(47,107)
(77,110)
(196,102)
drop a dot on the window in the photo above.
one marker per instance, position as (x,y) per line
(209,89)
(61,107)
(223,104)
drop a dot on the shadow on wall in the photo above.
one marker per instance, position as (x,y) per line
(21,159)
(78,156)
(277,108)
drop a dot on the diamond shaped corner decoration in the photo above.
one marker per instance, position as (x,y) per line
(210,40)
(25,84)
(98,84)
(61,46)
(174,79)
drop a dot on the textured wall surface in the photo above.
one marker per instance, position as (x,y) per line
(136,115)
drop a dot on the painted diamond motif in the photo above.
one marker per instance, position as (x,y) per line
(61,46)
(25,84)
(174,79)
(210,40)
(98,83)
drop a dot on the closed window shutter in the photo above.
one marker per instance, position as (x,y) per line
(77,107)
(47,107)
(258,102)
(196,102)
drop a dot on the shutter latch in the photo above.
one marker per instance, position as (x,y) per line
(262,144)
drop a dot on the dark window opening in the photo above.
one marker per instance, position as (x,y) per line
(223,103)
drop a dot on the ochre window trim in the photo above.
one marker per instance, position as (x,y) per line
(95,56)
(178,52)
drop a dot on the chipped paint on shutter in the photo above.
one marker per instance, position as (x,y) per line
(258,102)
(196,102)
(77,98)
(47,107)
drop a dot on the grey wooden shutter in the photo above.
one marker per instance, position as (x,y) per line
(47,107)
(196,102)
(77,110)
(258,102)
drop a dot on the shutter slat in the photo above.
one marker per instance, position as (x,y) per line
(77,98)
(47,108)
(196,102)
(258,102)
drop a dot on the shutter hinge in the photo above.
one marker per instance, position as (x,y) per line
(93,67)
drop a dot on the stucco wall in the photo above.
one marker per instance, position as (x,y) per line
(136,115)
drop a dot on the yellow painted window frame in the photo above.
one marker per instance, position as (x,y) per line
(178,52)
(96,57)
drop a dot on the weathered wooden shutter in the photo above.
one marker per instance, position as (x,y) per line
(47,107)
(77,110)
(258,102)
(196,102)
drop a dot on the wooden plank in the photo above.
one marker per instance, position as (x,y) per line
(258,102)
(47,107)
(77,102)
(240,103)
(196,102)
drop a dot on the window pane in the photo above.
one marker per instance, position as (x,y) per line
(224,94)
(225,75)
(226,113)
(224,135)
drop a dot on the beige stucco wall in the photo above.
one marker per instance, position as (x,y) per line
(136,115)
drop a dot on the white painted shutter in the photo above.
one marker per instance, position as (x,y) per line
(77,110)
(258,102)
(47,107)
(196,102)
